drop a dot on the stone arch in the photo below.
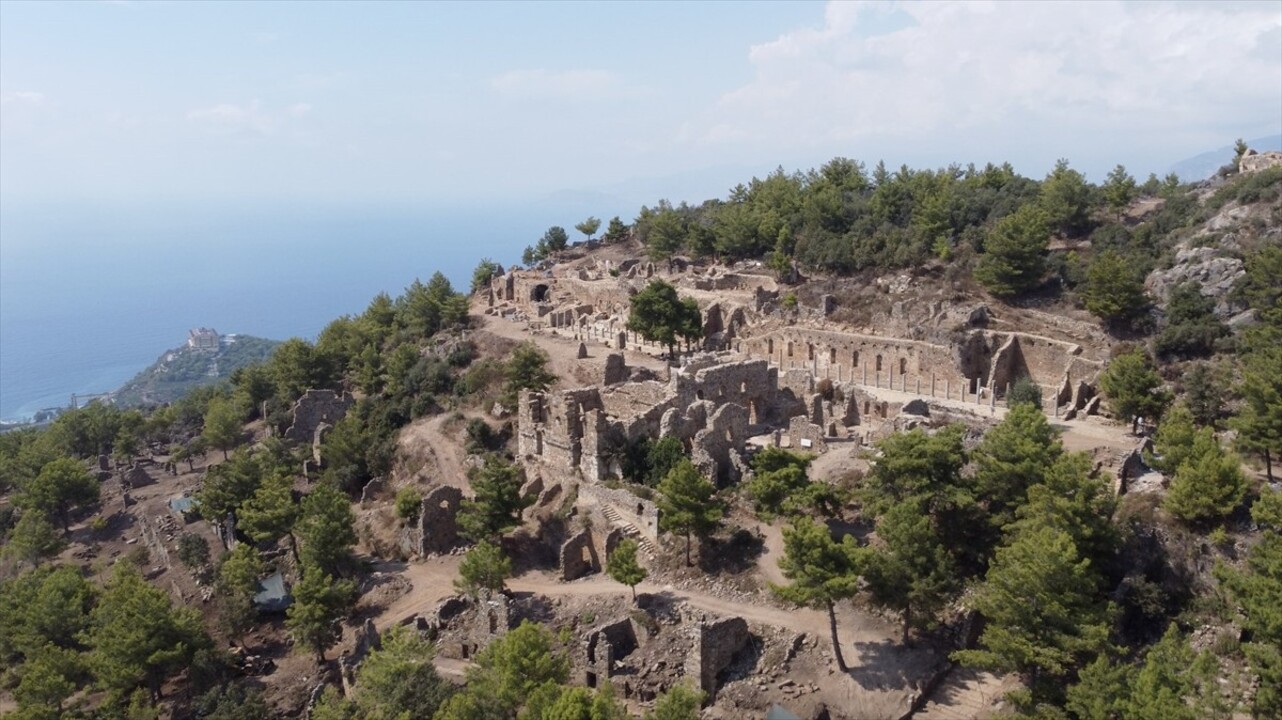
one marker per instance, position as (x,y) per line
(539,293)
(854,359)
(878,361)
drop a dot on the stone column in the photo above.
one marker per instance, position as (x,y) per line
(932,384)
(948,390)
(865,382)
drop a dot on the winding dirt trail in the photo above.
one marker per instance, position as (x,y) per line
(433,581)
(439,456)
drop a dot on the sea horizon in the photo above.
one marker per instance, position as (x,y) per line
(89,298)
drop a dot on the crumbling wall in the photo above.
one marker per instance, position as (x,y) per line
(464,626)
(716,643)
(436,530)
(314,408)
(644,514)
(603,646)
(806,436)
(367,638)
(724,435)
(579,557)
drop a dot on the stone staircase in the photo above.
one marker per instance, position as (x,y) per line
(630,530)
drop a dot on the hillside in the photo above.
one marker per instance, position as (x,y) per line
(962,445)
(184,368)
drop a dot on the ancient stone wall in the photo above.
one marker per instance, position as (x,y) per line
(806,436)
(603,646)
(314,408)
(644,514)
(437,525)
(721,439)
(579,557)
(715,645)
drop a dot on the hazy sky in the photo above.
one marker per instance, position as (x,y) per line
(140,101)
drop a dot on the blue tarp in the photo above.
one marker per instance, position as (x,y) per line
(272,595)
(777,712)
(183,504)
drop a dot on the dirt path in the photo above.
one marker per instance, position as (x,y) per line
(436,453)
(433,581)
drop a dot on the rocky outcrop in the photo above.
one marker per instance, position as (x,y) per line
(1214,274)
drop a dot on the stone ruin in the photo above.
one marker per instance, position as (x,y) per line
(315,409)
(436,529)
(644,658)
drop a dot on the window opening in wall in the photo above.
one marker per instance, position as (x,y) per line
(878,363)
(810,351)
(463,651)
(903,366)
(790,348)
(866,406)
(591,678)
(854,358)
(640,509)
(770,346)
(494,623)
(832,356)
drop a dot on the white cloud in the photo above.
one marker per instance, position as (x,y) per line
(567,84)
(941,71)
(23,98)
(250,118)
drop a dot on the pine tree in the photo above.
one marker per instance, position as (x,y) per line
(622,566)
(1259,423)
(687,503)
(1115,288)
(62,486)
(1014,258)
(910,569)
(271,512)
(527,370)
(1040,600)
(822,570)
(1256,590)
(1119,190)
(1173,441)
(1133,387)
(660,316)
(138,637)
(238,583)
(1013,456)
(496,504)
(399,680)
(32,539)
(484,567)
(319,605)
(325,528)
(1208,485)
(222,425)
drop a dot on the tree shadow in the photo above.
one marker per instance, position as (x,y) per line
(890,665)
(736,554)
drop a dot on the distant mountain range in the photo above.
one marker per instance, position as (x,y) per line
(1201,167)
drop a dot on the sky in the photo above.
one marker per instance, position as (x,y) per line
(470,103)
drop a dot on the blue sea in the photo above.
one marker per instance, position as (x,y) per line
(90,295)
